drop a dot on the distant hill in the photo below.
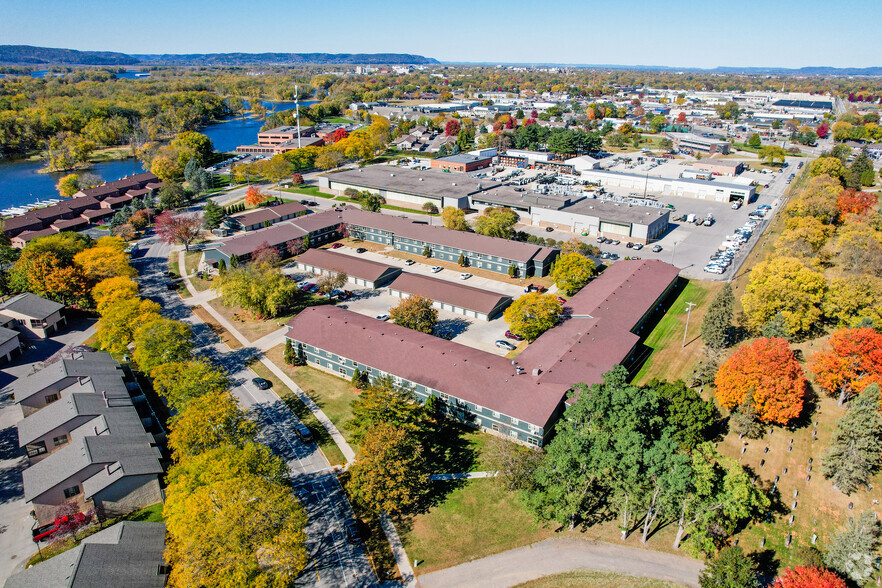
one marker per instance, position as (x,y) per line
(285,59)
(27,55)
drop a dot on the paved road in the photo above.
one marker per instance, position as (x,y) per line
(554,556)
(333,560)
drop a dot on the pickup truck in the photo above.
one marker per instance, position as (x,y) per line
(46,531)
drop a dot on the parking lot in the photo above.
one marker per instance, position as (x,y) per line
(468,331)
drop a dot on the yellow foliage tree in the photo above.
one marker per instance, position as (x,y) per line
(120,319)
(99,263)
(110,290)
(785,285)
(211,420)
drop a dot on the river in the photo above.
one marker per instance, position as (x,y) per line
(20,182)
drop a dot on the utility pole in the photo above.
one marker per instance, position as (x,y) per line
(297,112)
(689,306)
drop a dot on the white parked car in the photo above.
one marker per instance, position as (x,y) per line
(464,276)
(436,269)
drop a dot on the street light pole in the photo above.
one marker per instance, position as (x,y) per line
(689,306)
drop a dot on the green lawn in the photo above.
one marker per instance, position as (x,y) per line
(337,120)
(476,519)
(308,191)
(594,579)
(191,260)
(669,359)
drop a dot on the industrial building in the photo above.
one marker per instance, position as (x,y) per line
(461,162)
(717,190)
(691,141)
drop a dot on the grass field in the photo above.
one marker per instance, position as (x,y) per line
(669,359)
(191,263)
(594,579)
(337,120)
(332,394)
(308,191)
(292,401)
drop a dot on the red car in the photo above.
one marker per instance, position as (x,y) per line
(46,531)
(561,300)
(336,246)
(510,335)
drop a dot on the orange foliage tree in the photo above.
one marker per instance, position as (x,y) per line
(853,202)
(767,370)
(254,197)
(808,577)
(851,362)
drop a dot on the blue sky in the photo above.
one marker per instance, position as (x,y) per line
(687,33)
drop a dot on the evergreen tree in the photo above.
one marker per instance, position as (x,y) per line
(852,552)
(212,215)
(718,321)
(191,172)
(855,450)
(289,351)
(731,568)
(222,267)
(776,328)
(862,163)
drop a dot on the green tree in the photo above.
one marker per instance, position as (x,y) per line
(496,222)
(179,382)
(454,219)
(259,289)
(532,314)
(371,202)
(717,322)
(199,144)
(415,312)
(731,568)
(210,420)
(852,552)
(382,401)
(690,416)
(854,454)
(825,165)
(172,195)
(755,141)
(572,271)
(161,341)
(861,164)
(390,472)
(68,185)
(772,154)
(212,215)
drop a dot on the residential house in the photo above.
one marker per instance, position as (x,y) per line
(34,315)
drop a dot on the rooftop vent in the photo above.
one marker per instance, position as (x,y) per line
(454,183)
(421,179)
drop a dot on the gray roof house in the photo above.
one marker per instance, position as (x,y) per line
(34,314)
(9,342)
(128,554)
(92,372)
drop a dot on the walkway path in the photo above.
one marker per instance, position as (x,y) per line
(554,556)
(402,561)
(463,476)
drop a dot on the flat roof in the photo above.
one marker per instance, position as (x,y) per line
(462,158)
(638,215)
(711,182)
(357,267)
(448,292)
(426,183)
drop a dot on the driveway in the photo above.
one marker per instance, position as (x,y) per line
(333,560)
(554,556)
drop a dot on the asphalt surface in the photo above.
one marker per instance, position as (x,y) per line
(334,561)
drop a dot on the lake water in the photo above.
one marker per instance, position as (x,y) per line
(21,184)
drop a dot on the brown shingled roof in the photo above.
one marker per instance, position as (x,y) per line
(350,265)
(466,373)
(460,295)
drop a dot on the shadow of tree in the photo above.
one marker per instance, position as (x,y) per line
(453,326)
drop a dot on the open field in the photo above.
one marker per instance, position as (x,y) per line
(594,579)
(669,359)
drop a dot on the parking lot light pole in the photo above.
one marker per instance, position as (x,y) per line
(689,306)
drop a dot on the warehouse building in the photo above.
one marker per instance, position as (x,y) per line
(461,162)
(361,272)
(451,296)
(717,190)
(719,167)
(519,399)
(691,141)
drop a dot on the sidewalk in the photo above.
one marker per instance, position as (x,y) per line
(463,476)
(401,559)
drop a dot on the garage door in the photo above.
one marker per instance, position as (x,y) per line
(614,228)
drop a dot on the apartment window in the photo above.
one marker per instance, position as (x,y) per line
(71,492)
(514,421)
(36,323)
(532,441)
(50,398)
(342,370)
(444,397)
(59,441)
(513,434)
(495,414)
(36,449)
